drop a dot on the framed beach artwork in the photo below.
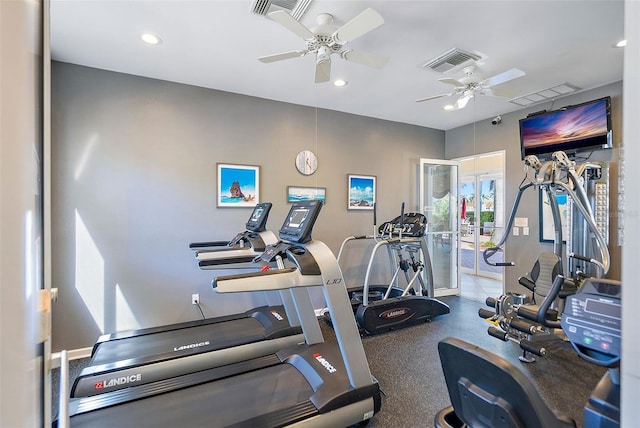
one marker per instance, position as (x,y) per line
(298,193)
(547,229)
(238,186)
(362,192)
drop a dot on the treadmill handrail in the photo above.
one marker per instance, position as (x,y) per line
(278,279)
(227,254)
(208,244)
(265,238)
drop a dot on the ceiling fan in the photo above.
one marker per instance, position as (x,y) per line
(471,84)
(325,39)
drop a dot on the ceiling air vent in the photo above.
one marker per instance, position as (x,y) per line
(451,60)
(296,8)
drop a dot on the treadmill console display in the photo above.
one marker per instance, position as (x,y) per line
(409,225)
(258,220)
(300,220)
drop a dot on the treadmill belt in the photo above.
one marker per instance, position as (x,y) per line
(220,403)
(221,335)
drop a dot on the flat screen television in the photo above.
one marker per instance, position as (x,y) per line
(572,129)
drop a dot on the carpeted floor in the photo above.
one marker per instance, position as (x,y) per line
(407,366)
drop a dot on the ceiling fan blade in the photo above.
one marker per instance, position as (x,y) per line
(361,24)
(462,101)
(433,97)
(451,81)
(498,79)
(323,71)
(281,56)
(365,58)
(290,23)
(499,93)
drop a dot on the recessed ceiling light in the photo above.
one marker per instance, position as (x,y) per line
(449,107)
(621,44)
(340,82)
(151,39)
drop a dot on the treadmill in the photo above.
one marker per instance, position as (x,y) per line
(125,359)
(312,384)
(243,248)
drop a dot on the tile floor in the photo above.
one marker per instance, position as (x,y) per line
(479,288)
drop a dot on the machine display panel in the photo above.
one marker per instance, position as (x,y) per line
(258,220)
(299,222)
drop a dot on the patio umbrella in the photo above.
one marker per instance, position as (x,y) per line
(463,210)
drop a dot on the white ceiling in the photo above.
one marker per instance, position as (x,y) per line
(215,44)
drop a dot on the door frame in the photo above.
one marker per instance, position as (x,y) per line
(454,289)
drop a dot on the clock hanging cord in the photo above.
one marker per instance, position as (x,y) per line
(316,136)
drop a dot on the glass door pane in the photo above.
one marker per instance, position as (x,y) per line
(467,225)
(439,201)
(489,221)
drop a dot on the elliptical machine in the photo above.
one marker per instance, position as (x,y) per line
(380,308)
(515,317)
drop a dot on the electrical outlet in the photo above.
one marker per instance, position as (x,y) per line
(195,299)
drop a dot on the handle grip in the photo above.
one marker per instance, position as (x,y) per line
(489,252)
(540,351)
(580,257)
(375,222)
(498,334)
(491,302)
(485,313)
(523,326)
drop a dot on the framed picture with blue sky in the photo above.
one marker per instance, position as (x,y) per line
(238,186)
(362,192)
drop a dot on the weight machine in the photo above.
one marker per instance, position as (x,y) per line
(516,317)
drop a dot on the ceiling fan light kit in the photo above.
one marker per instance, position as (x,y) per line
(325,39)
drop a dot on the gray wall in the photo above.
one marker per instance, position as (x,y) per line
(488,138)
(134,173)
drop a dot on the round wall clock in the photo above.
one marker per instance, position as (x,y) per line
(306,162)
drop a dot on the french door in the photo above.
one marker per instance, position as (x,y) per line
(481,223)
(438,195)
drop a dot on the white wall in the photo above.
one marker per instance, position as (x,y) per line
(631,251)
(20,256)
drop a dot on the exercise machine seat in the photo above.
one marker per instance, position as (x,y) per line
(488,391)
(542,275)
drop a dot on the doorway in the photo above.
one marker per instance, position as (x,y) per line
(482,215)
(438,198)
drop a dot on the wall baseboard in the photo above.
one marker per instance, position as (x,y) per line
(74,354)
